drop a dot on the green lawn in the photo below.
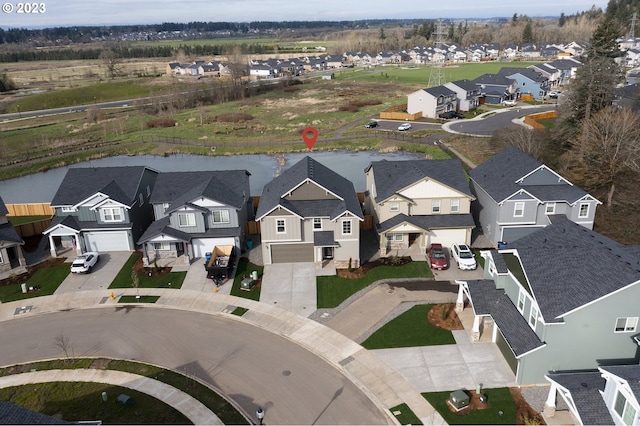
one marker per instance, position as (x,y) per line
(142,299)
(499,401)
(21,220)
(405,416)
(408,330)
(123,279)
(333,290)
(244,269)
(76,401)
(48,279)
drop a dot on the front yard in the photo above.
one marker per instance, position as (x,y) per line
(44,281)
(147,277)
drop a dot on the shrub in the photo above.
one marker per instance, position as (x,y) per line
(234,117)
(165,122)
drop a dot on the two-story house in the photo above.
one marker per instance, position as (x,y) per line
(432,101)
(101,209)
(529,81)
(496,88)
(418,202)
(11,256)
(563,298)
(467,92)
(310,213)
(516,194)
(609,395)
(194,212)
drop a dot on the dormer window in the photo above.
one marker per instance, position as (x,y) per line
(111,214)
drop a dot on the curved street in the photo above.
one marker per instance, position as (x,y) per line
(248,364)
(488,123)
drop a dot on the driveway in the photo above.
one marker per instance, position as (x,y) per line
(100,277)
(290,286)
(449,367)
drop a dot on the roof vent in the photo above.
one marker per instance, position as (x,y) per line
(584,385)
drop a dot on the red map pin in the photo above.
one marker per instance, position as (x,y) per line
(310,136)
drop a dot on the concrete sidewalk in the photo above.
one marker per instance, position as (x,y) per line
(190,407)
(381,383)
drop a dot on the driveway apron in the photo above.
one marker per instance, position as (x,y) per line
(290,286)
(100,277)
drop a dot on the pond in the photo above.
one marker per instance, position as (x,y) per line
(41,187)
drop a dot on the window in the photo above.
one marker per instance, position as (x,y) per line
(518,210)
(533,317)
(280,226)
(394,237)
(394,207)
(550,208)
(317,224)
(186,219)
(148,190)
(141,198)
(624,409)
(112,214)
(165,206)
(521,300)
(68,209)
(626,325)
(161,246)
(584,210)
(1,259)
(346,227)
(455,206)
(221,216)
(435,206)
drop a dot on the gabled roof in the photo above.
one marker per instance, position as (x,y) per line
(586,394)
(393,176)
(439,91)
(223,186)
(308,169)
(488,300)
(629,373)
(499,176)
(9,234)
(465,85)
(493,79)
(428,222)
(558,289)
(118,183)
(529,73)
(3,208)
(160,227)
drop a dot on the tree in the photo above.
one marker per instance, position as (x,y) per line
(527,33)
(135,282)
(608,148)
(593,87)
(112,62)
(63,342)
(562,20)
(514,20)
(530,141)
(6,83)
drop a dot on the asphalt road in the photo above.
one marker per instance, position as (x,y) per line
(500,120)
(247,364)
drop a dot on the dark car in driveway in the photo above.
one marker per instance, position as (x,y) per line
(437,257)
(448,115)
(371,124)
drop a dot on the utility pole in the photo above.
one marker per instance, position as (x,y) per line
(632,31)
(436,78)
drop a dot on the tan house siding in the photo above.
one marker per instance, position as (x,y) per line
(293,229)
(310,191)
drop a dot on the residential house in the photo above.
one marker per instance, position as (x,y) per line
(610,395)
(101,209)
(529,50)
(418,202)
(510,50)
(517,194)
(11,256)
(496,88)
(262,71)
(529,81)
(309,213)
(493,50)
(567,67)
(563,298)
(548,71)
(549,51)
(432,101)
(194,212)
(467,92)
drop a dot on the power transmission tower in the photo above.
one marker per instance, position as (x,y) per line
(436,78)
(632,31)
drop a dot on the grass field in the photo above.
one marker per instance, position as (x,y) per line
(123,279)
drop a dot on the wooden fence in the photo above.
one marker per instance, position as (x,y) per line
(398,112)
(532,120)
(31,209)
(32,228)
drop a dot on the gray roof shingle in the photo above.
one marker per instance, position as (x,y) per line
(3,208)
(487,300)
(559,289)
(630,373)
(12,414)
(308,168)
(119,183)
(429,222)
(585,391)
(392,176)
(498,176)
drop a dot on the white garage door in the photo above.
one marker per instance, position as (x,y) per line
(447,237)
(107,241)
(206,245)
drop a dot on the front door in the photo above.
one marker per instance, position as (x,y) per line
(327,253)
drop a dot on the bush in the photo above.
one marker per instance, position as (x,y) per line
(234,117)
(165,122)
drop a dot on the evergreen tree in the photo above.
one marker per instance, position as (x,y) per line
(562,20)
(527,33)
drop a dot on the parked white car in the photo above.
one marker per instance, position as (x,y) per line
(509,102)
(404,126)
(83,264)
(464,257)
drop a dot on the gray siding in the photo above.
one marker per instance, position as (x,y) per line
(310,191)
(233,219)
(85,214)
(543,177)
(486,211)
(507,210)
(158,211)
(199,224)
(586,339)
(141,216)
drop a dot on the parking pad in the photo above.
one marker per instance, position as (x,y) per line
(290,286)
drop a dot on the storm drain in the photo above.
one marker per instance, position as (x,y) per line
(346,361)
(23,310)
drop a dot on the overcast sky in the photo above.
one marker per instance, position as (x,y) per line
(116,12)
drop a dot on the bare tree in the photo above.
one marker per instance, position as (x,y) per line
(530,141)
(135,282)
(606,149)
(63,342)
(112,62)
